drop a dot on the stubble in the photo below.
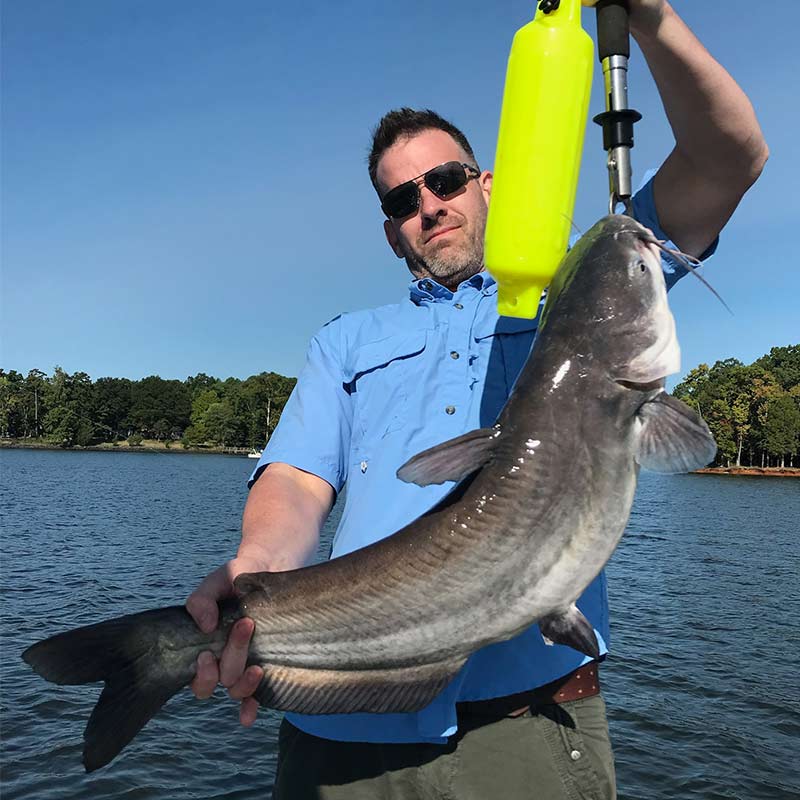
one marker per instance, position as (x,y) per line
(448,263)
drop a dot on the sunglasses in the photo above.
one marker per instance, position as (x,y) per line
(442,181)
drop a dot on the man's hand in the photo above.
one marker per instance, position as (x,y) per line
(643,14)
(230,669)
(282,519)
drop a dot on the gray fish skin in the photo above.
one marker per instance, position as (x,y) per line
(543,499)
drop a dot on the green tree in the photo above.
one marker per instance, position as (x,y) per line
(740,422)
(260,403)
(765,388)
(784,364)
(11,404)
(199,383)
(197,433)
(692,389)
(719,422)
(781,430)
(221,424)
(69,398)
(155,399)
(716,393)
(35,392)
(113,400)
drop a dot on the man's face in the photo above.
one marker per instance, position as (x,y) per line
(443,238)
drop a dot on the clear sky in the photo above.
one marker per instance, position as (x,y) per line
(185,187)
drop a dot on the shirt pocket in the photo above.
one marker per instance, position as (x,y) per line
(378,379)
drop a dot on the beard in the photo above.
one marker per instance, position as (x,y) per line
(449,263)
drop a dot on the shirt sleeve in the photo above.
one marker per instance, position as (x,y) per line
(644,210)
(314,429)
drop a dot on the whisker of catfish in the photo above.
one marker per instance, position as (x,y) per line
(690,263)
(573,224)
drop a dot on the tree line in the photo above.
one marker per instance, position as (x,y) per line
(753,410)
(69,410)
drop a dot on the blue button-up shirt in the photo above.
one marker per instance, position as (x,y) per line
(384,384)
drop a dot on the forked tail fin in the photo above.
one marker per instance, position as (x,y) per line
(137,658)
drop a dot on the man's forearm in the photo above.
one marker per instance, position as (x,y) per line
(719,148)
(713,121)
(283,517)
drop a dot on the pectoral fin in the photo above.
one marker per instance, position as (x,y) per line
(450,461)
(571,628)
(673,437)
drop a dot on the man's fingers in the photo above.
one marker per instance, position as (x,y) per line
(247,684)
(207,676)
(248,711)
(202,602)
(203,610)
(230,669)
(234,656)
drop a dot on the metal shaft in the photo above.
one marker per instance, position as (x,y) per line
(615,75)
(614,48)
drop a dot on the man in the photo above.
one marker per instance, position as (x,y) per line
(521,719)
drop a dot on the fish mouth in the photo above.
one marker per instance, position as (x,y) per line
(649,386)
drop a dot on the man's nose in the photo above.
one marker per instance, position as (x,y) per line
(431,207)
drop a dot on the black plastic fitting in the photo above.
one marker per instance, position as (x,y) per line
(617,127)
(612,29)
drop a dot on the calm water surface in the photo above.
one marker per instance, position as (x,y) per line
(702,684)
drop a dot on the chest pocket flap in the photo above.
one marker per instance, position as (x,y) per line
(377,377)
(511,325)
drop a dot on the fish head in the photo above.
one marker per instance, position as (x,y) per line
(609,298)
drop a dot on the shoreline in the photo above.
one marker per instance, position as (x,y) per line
(123,447)
(751,472)
(152,446)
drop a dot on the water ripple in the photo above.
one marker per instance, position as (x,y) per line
(701,685)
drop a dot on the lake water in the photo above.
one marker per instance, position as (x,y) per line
(702,684)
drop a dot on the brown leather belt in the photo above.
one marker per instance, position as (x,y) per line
(582,682)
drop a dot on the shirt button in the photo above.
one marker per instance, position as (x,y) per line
(363,466)
(575,755)
(453,354)
(450,410)
(458,306)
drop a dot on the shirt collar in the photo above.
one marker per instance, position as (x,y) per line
(430,290)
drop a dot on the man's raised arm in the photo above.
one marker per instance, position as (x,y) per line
(719,148)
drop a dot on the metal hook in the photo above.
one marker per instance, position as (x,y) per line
(614,199)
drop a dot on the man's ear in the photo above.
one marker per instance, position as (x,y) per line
(485,182)
(391,237)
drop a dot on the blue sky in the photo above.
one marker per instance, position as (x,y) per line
(185,188)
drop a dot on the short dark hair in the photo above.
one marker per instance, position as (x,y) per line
(408,122)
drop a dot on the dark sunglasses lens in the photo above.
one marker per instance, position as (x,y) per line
(402,200)
(446,179)
(442,181)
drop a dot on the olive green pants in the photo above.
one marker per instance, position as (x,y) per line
(553,752)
